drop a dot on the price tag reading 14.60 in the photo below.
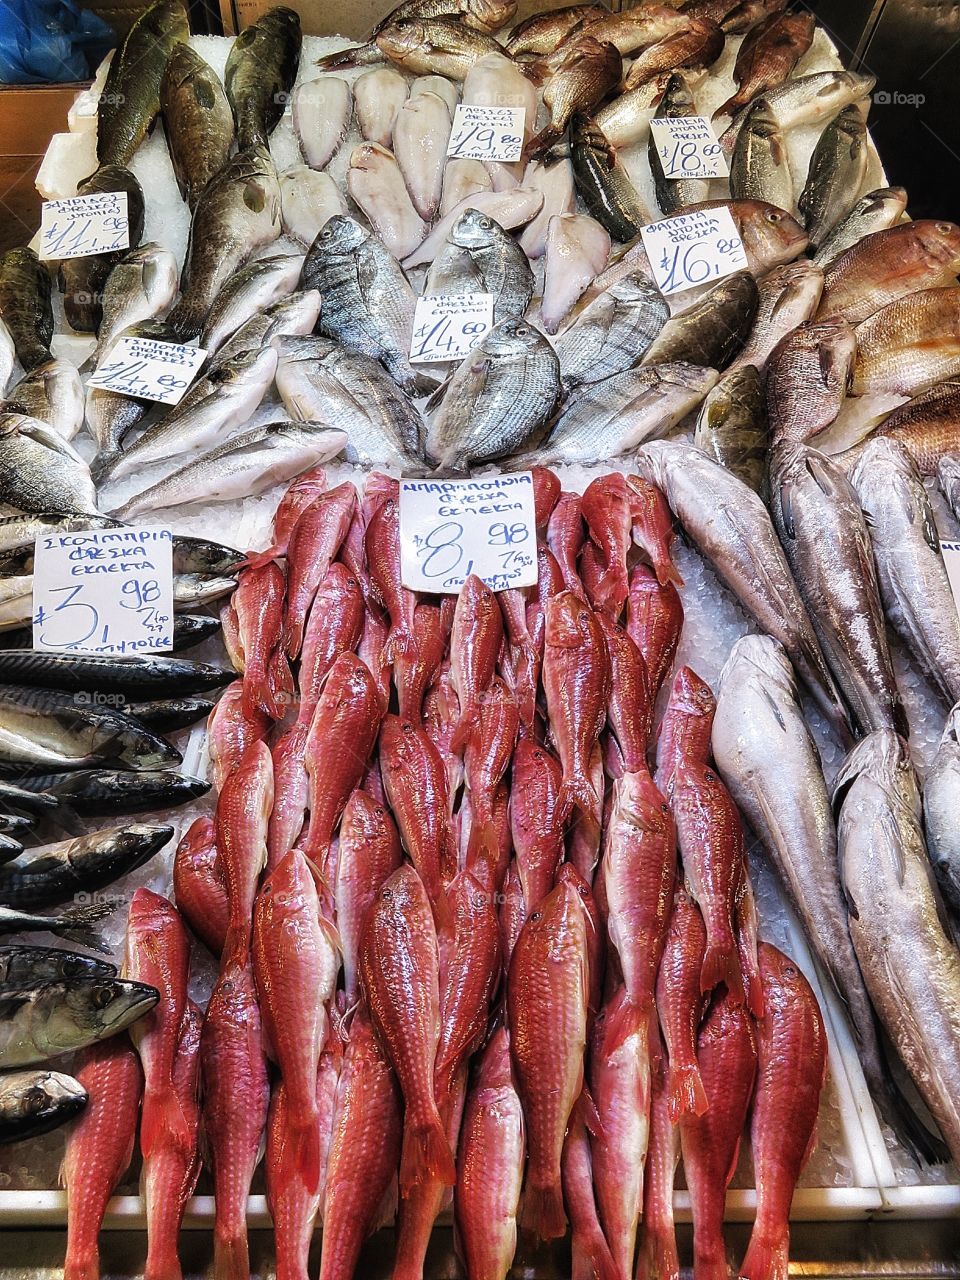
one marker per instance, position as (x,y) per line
(693,249)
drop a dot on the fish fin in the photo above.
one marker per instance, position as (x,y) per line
(231,1256)
(589,1114)
(543,1211)
(626,1022)
(426,1154)
(541,142)
(721,963)
(613,588)
(344,57)
(667,572)
(162,1118)
(659,1259)
(576,793)
(687,1095)
(746,925)
(469,720)
(728,108)
(236,944)
(766,1257)
(591,1259)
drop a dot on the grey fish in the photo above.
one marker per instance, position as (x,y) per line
(40,471)
(130,100)
(603,182)
(318,380)
(190,555)
(242,466)
(23,531)
(909,963)
(480,15)
(16,602)
(144,674)
(713,330)
(609,418)
(218,403)
(60,1017)
(731,527)
(806,100)
(260,73)
(51,393)
(84,864)
(247,293)
(82,280)
(75,925)
(191,590)
(102,792)
(367,302)
(613,332)
(941,795)
(168,715)
(876,211)
(732,426)
(499,400)
(808,377)
(294,315)
(677,103)
(452,272)
(35,1102)
(788,297)
(43,727)
(111,417)
(913,579)
(760,167)
(197,121)
(826,540)
(202,555)
(237,213)
(500,262)
(25,966)
(25,306)
(140,287)
(835,175)
(8,358)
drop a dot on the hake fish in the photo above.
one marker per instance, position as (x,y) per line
(197,121)
(260,73)
(82,280)
(40,471)
(612,332)
(836,171)
(732,425)
(941,794)
(499,261)
(60,1017)
(25,306)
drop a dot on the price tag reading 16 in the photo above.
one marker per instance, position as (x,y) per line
(693,249)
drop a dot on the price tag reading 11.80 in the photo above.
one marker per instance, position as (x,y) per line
(148,370)
(487,133)
(104,591)
(693,249)
(448,326)
(450,529)
(688,148)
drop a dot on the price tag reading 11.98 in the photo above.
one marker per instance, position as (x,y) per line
(693,249)
(104,591)
(84,225)
(450,529)
(148,370)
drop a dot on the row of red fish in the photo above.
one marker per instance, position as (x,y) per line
(457,948)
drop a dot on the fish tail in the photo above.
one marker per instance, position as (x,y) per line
(426,1154)
(236,945)
(543,1211)
(658,1258)
(667,572)
(541,142)
(626,1021)
(766,1257)
(469,720)
(721,963)
(728,108)
(77,925)
(231,1255)
(613,588)
(687,1096)
(260,559)
(576,793)
(82,1263)
(306,1152)
(163,1262)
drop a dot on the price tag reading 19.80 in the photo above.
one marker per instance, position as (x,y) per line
(148,370)
(84,225)
(487,133)
(693,249)
(448,326)
(104,591)
(688,148)
(450,529)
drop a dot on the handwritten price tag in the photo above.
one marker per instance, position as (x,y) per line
(486,133)
(84,225)
(148,370)
(104,591)
(452,528)
(688,148)
(693,249)
(448,327)
(951,559)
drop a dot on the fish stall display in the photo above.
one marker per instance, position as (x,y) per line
(559,911)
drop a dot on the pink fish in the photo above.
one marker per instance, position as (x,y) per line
(606,506)
(565,535)
(534,821)
(291,791)
(230,731)
(686,726)
(653,528)
(198,884)
(591,1258)
(658,1258)
(474,645)
(415,669)
(243,813)
(369,854)
(654,621)
(314,543)
(259,604)
(382,543)
(680,1005)
(630,708)
(334,626)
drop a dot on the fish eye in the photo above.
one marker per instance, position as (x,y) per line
(522,331)
(774,215)
(102,996)
(70,966)
(485,223)
(944,228)
(789,971)
(536,915)
(34,1101)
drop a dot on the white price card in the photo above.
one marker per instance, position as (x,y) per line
(951,558)
(147,369)
(452,528)
(84,225)
(486,133)
(104,591)
(693,249)
(688,148)
(448,326)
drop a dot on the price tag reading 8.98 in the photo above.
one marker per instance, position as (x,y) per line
(693,249)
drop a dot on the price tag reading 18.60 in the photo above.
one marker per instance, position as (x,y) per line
(687,147)
(486,133)
(693,249)
(104,591)
(148,370)
(450,529)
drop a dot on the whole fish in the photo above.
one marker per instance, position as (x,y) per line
(378,98)
(99,1147)
(680,1006)
(585,73)
(420,137)
(697,44)
(321,111)
(237,213)
(836,172)
(433,46)
(577,249)
(939,792)
(511,207)
(767,57)
(547,993)
(677,103)
(792,1069)
(25,307)
(631,31)
(260,73)
(243,812)
(135,675)
(22,965)
(603,182)
(414,781)
(914,586)
(500,263)
(810,99)
(589,1251)
(499,399)
(130,99)
(788,298)
(139,287)
(887,265)
(658,1238)
(82,279)
(33,1103)
(609,418)
(876,211)
(542,32)
(808,376)
(732,426)
(475,639)
(40,471)
(463,179)
(414,672)
(612,332)
(535,825)
(292,316)
(827,542)
(760,166)
(555,181)
(909,344)
(197,121)
(198,884)
(51,393)
(248,292)
(83,864)
(745,553)
(75,924)
(684,732)
(369,854)
(630,709)
(334,626)
(308,199)
(625,120)
(377,187)
(713,330)
(608,507)
(316,538)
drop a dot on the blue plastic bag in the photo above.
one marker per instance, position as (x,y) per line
(44,41)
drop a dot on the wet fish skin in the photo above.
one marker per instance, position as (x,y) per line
(556,183)
(415,784)
(51,393)
(699,43)
(808,375)
(939,791)
(430,46)
(788,297)
(82,280)
(378,99)
(654,621)
(34,1102)
(76,924)
(712,331)
(836,171)
(316,538)
(760,168)
(499,261)
(84,864)
(22,965)
(139,674)
(626,119)
(589,1251)
(767,56)
(542,32)
(577,249)
(246,293)
(197,121)
(321,116)
(909,344)
(260,73)
(43,1022)
(809,99)
(587,71)
(603,182)
(421,133)
(291,316)
(732,426)
(684,732)
(198,884)
(511,207)
(139,287)
(887,265)
(377,187)
(658,1238)
(40,471)
(612,331)
(876,211)
(25,306)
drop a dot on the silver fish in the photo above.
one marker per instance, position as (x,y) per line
(731,527)
(499,399)
(8,358)
(941,796)
(23,531)
(876,211)
(808,376)
(948,478)
(825,537)
(609,418)
(677,103)
(377,98)
(909,963)
(713,330)
(248,291)
(111,418)
(377,187)
(191,590)
(84,864)
(732,425)
(40,471)
(321,112)
(308,199)
(241,467)
(420,137)
(37,1101)
(140,287)
(613,332)
(807,100)
(625,120)
(500,262)
(511,208)
(913,579)
(835,175)
(60,1017)
(788,297)
(52,393)
(760,167)
(295,314)
(452,272)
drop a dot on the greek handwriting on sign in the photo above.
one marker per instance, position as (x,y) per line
(448,327)
(148,369)
(84,225)
(450,529)
(687,147)
(486,133)
(104,591)
(693,249)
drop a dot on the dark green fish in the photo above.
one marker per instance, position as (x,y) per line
(82,279)
(60,1017)
(85,864)
(35,1102)
(714,329)
(25,306)
(135,674)
(260,74)
(197,121)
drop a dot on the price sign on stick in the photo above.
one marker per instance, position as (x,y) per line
(486,133)
(148,370)
(452,528)
(84,225)
(448,327)
(693,249)
(104,591)
(687,147)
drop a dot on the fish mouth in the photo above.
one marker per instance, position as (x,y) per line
(136,1000)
